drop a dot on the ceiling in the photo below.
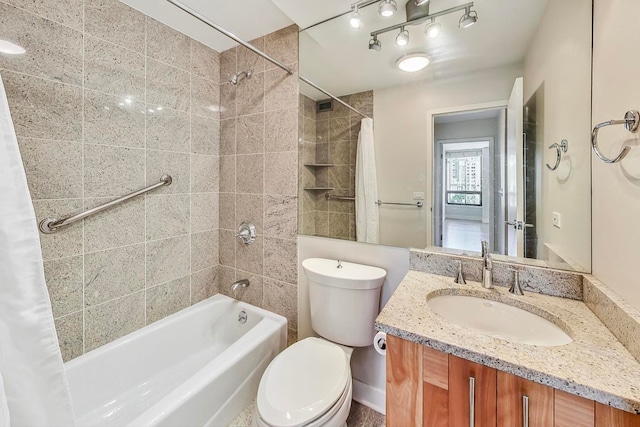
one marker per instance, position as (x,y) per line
(335,56)
(248,19)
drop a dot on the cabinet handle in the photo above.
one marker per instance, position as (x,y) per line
(525,410)
(472,402)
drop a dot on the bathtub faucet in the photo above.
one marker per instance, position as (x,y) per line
(242,283)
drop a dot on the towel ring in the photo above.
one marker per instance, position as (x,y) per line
(631,123)
(560,148)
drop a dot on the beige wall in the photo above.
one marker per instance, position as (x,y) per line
(616,189)
(99,113)
(259,174)
(560,59)
(401,135)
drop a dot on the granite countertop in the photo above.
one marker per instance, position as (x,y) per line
(595,365)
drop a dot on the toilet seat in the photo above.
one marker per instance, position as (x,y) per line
(307,382)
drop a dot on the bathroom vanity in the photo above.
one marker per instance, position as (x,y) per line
(440,373)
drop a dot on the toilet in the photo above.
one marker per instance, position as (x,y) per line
(309,383)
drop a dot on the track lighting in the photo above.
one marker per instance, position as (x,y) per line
(413,63)
(387,8)
(469,18)
(433,29)
(421,2)
(374,44)
(356,20)
(403,38)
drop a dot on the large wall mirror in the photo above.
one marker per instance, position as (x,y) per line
(458,122)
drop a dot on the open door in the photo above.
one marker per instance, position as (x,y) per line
(515,172)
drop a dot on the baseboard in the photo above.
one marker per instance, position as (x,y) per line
(369,396)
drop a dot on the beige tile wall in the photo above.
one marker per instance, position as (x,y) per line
(104,102)
(334,135)
(259,173)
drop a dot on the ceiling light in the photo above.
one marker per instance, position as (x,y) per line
(413,63)
(11,48)
(403,37)
(387,8)
(374,44)
(421,2)
(433,29)
(356,20)
(469,18)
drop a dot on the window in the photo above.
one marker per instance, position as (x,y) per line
(464,177)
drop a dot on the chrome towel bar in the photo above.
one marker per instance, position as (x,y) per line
(330,196)
(631,123)
(560,148)
(52,224)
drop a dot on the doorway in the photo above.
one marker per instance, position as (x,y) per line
(469,198)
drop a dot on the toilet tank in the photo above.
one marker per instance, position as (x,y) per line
(344,299)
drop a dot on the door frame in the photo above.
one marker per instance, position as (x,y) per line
(492,105)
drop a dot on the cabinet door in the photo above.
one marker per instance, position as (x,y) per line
(523,403)
(435,368)
(404,383)
(472,394)
(607,416)
(573,411)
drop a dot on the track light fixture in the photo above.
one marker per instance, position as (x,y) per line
(356,20)
(374,44)
(469,18)
(403,38)
(387,8)
(421,2)
(433,29)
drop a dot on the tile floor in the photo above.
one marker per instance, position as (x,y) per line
(359,416)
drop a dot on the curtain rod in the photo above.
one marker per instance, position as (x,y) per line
(232,36)
(315,86)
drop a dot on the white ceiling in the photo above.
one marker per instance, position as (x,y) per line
(336,56)
(248,19)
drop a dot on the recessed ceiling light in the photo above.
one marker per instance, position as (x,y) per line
(10,48)
(387,8)
(413,63)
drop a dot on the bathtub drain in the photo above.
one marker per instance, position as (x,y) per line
(242,317)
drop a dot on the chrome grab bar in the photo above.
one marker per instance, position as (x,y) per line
(631,123)
(330,196)
(52,224)
(560,148)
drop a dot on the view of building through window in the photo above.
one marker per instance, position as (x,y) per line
(464,177)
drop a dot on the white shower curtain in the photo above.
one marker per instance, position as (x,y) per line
(33,384)
(367,218)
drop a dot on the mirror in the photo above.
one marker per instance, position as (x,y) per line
(486,137)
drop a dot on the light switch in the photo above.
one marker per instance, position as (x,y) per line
(556,219)
(418,195)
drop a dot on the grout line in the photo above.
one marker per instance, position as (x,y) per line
(145,200)
(83,184)
(191,156)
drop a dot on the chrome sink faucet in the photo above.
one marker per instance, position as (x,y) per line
(487,266)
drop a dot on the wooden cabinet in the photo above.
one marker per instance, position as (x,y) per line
(428,388)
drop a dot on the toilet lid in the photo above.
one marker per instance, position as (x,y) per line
(302,383)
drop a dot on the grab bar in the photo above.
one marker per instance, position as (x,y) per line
(52,224)
(330,196)
(631,122)
(560,148)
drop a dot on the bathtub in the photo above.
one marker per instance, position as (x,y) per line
(198,367)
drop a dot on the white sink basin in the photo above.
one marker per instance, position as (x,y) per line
(498,320)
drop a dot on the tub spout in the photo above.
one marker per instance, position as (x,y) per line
(242,283)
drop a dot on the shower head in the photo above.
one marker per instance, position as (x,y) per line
(236,77)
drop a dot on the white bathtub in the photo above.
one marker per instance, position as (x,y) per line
(198,367)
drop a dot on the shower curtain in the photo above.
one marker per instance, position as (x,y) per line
(367,218)
(33,384)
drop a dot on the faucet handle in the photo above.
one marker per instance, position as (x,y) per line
(515,288)
(460,278)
